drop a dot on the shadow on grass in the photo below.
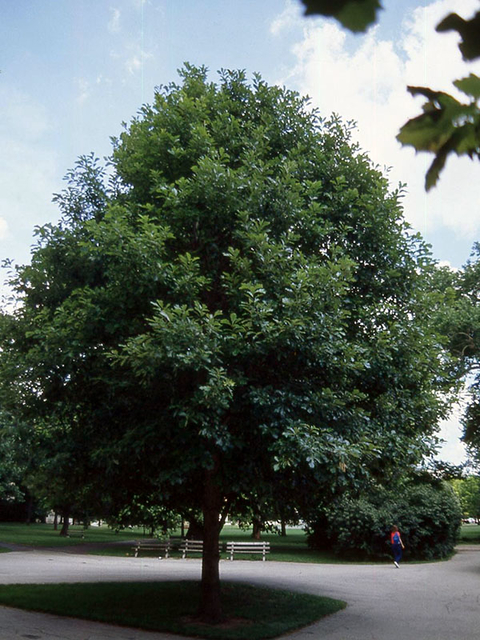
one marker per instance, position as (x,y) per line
(252,613)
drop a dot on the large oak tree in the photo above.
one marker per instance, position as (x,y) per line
(240,309)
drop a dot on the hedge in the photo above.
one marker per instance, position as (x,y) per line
(428,516)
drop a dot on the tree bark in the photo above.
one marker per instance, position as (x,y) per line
(257,527)
(66,521)
(29,518)
(210,605)
(195,529)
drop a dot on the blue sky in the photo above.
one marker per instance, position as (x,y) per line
(72,72)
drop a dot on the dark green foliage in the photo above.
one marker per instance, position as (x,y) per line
(430,517)
(251,293)
(355,15)
(468,30)
(355,528)
(427,514)
(12,466)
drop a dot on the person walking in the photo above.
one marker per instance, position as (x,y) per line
(397,546)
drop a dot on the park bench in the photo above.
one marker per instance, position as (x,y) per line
(159,546)
(76,534)
(248,547)
(191,546)
(176,542)
(194,546)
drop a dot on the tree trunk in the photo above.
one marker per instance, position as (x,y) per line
(29,517)
(66,521)
(210,604)
(257,527)
(195,529)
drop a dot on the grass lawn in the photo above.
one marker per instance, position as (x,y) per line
(291,548)
(470,534)
(252,612)
(44,535)
(103,541)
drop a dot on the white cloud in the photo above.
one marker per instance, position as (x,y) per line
(83,88)
(133,64)
(447,263)
(114,22)
(135,61)
(286,19)
(453,449)
(366,82)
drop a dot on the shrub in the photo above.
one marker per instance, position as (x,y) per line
(430,518)
(428,515)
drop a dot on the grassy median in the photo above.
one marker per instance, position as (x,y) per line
(252,613)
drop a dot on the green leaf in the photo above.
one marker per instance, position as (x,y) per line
(355,15)
(469,31)
(446,126)
(470,86)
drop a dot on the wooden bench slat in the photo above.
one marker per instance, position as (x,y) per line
(248,547)
(191,546)
(195,546)
(153,545)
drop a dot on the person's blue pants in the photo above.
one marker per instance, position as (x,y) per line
(397,552)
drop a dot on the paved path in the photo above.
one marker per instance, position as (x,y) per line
(438,601)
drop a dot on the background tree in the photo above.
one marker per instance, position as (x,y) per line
(13,465)
(468,492)
(242,304)
(446,125)
(458,317)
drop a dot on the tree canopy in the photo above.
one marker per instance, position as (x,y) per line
(233,307)
(459,319)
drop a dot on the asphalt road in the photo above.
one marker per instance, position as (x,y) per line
(437,601)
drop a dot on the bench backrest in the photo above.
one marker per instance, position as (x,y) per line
(248,545)
(193,544)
